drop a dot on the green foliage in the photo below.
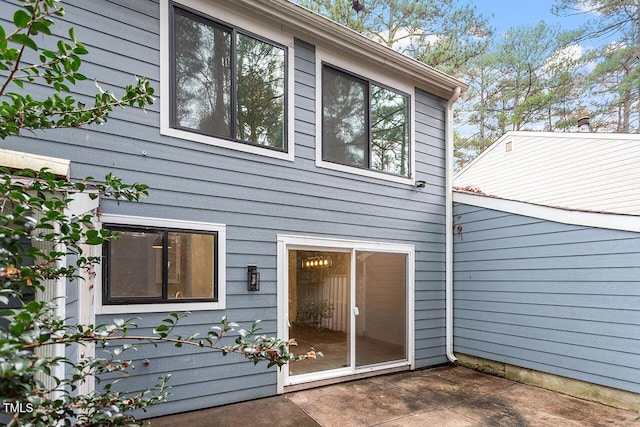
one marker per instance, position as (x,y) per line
(444,34)
(614,77)
(527,78)
(36,236)
(57,68)
(523,80)
(32,217)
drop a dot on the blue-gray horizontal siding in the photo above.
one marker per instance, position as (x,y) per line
(257,198)
(552,297)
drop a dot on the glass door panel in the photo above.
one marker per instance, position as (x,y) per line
(319,301)
(381,300)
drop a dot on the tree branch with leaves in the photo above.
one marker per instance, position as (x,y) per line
(37,236)
(55,68)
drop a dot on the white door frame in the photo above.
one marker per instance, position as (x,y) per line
(287,242)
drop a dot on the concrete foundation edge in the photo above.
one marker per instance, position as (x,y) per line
(584,390)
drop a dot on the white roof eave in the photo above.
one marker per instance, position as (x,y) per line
(306,23)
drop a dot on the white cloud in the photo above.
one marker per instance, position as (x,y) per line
(569,53)
(407,39)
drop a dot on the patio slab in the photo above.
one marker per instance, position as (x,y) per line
(444,396)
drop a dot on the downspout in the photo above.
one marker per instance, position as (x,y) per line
(449,227)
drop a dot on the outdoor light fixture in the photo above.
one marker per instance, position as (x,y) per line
(253,278)
(421,184)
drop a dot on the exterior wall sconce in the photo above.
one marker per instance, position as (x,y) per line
(420,185)
(253,278)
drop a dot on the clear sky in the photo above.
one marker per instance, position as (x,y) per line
(511,13)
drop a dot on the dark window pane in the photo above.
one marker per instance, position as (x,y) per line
(202,76)
(190,266)
(389,131)
(164,265)
(135,266)
(344,119)
(261,87)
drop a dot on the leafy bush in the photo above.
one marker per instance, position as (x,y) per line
(37,235)
(32,217)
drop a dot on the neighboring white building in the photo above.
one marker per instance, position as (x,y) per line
(581,171)
(545,261)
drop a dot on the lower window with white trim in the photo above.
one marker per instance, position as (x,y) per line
(160,265)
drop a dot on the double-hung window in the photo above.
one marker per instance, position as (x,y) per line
(364,124)
(160,265)
(226,83)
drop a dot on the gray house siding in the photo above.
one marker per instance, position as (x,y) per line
(256,197)
(430,246)
(548,296)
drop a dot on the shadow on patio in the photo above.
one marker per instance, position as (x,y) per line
(444,396)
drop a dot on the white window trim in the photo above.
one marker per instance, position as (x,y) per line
(161,308)
(286,242)
(373,74)
(218,12)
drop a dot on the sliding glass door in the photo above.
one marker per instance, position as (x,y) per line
(381,315)
(319,299)
(349,303)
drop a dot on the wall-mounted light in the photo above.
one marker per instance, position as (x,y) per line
(420,185)
(253,278)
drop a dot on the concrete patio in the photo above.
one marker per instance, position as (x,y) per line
(444,396)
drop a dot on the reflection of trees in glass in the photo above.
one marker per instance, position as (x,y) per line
(202,76)
(205,83)
(347,109)
(344,123)
(260,92)
(389,131)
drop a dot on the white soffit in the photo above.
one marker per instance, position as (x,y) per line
(316,28)
(19,160)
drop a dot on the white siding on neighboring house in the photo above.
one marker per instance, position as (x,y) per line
(582,171)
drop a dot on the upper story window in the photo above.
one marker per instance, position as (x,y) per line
(364,124)
(226,83)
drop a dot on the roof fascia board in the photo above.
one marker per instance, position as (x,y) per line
(317,28)
(565,216)
(572,135)
(16,160)
(480,156)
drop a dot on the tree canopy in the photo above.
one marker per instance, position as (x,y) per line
(37,234)
(444,34)
(537,77)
